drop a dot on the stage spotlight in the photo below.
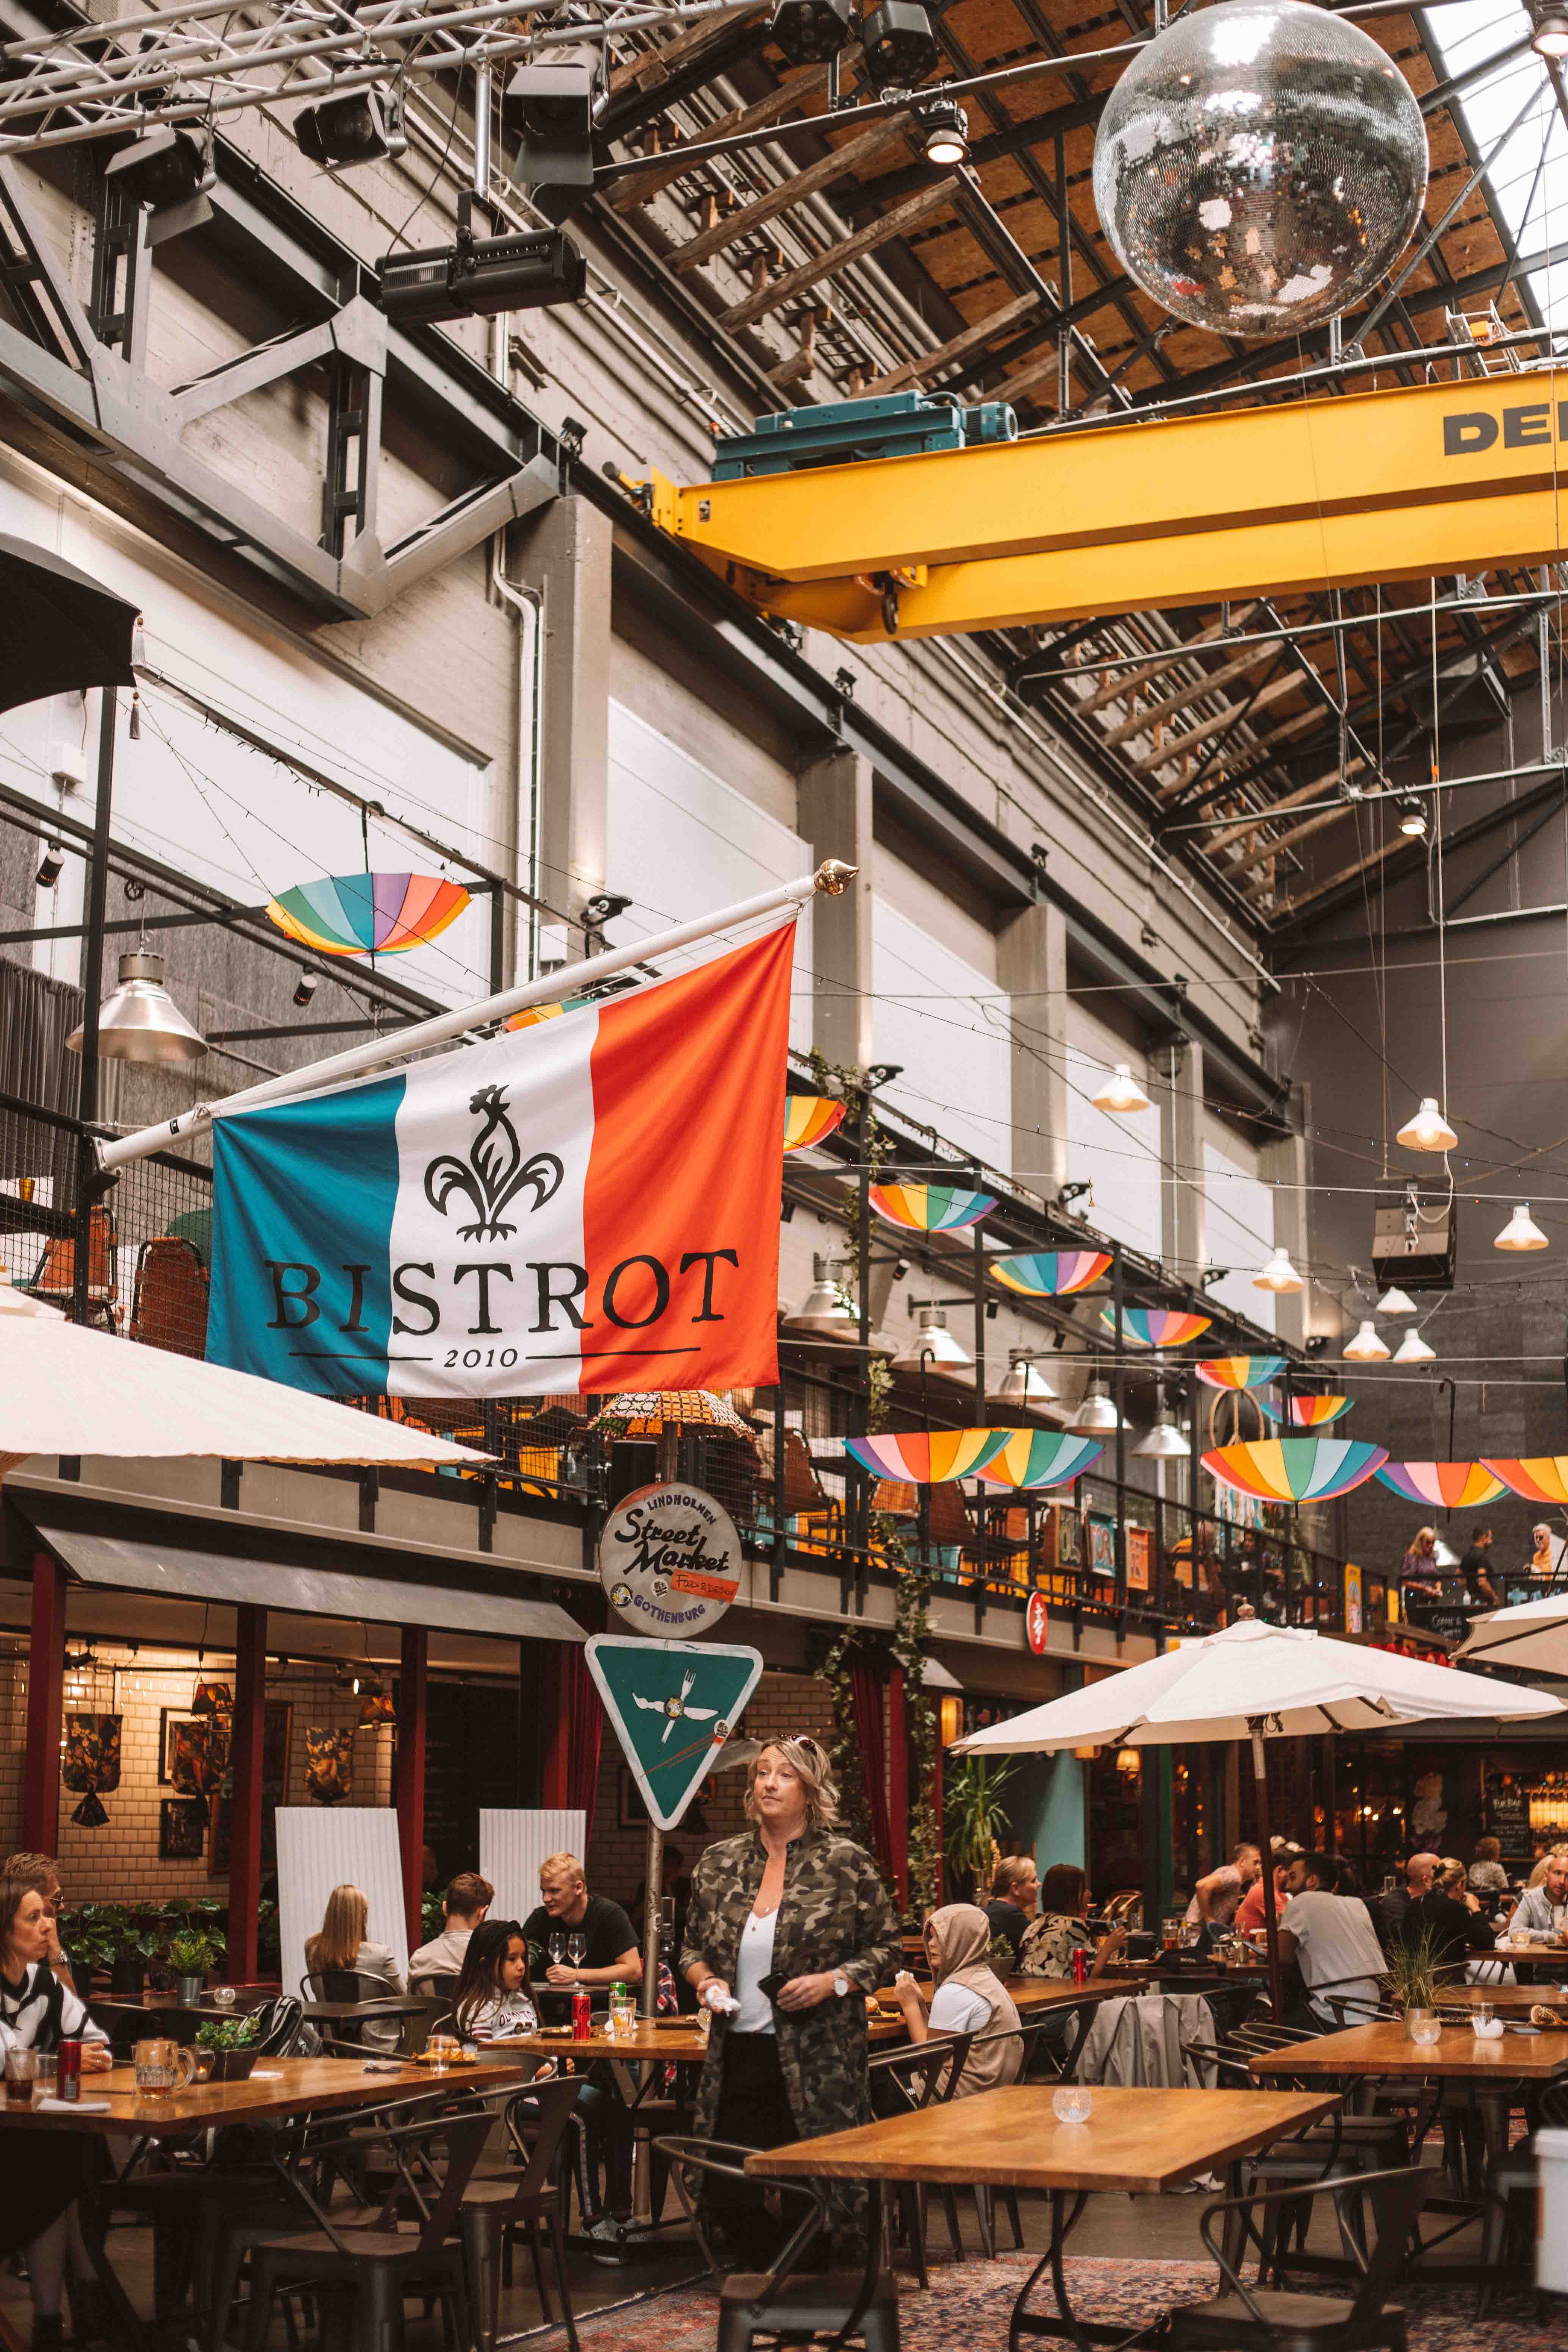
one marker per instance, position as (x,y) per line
(360,127)
(945,133)
(901,48)
(306,987)
(169,171)
(809,32)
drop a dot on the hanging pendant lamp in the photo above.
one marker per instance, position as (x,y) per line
(1413,1350)
(1278,1273)
(1395,1301)
(933,1347)
(829,1308)
(1428,1130)
(1023,1385)
(1368,1347)
(1164,1443)
(1521,1232)
(140,1022)
(1122,1092)
(1096,1414)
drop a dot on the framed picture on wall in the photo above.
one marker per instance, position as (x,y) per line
(1101,1532)
(182,1832)
(1140,1558)
(630,1811)
(277,1733)
(1070,1537)
(192,1749)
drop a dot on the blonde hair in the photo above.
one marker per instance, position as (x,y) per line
(1451,1873)
(1426,1535)
(342,1931)
(807,1759)
(563,1865)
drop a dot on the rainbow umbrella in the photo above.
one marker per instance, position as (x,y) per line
(1239,1371)
(929,1208)
(1445,1486)
(1318,1412)
(1038,1457)
(1052,1274)
(1295,1469)
(929,1458)
(1156,1326)
(808,1118)
(1543,1478)
(379,914)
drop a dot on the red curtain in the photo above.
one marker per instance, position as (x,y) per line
(574,1727)
(867,1690)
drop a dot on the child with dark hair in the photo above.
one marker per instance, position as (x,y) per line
(492,1997)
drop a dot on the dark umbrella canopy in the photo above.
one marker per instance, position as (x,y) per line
(62,631)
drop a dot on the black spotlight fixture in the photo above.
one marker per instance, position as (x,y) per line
(901,48)
(1548,29)
(170,170)
(944,134)
(1412,818)
(809,32)
(305,986)
(552,107)
(360,127)
(478,277)
(51,864)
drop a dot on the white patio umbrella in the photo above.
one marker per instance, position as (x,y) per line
(1533,1634)
(65,1388)
(1256,1682)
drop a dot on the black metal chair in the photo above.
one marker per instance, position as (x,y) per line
(346,2036)
(903,2081)
(783,2301)
(1272,2319)
(497,2208)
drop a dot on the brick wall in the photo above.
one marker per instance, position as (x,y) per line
(119,1863)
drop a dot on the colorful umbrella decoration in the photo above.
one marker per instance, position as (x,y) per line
(929,1208)
(1052,1274)
(1318,1412)
(1445,1485)
(378,914)
(808,1118)
(1295,1469)
(1038,1457)
(929,1458)
(1239,1371)
(1543,1478)
(1156,1326)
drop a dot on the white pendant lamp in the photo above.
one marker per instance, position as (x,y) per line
(1022,1385)
(1394,1301)
(1428,1130)
(1120,1092)
(1367,1347)
(1278,1273)
(1096,1415)
(1165,1443)
(1521,1232)
(1413,1350)
(829,1308)
(140,1022)
(933,1347)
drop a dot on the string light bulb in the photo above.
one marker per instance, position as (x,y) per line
(1428,1130)
(1368,1347)
(1521,1232)
(1122,1092)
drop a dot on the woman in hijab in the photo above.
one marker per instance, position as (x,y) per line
(968,1998)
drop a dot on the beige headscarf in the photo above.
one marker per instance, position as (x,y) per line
(962,1936)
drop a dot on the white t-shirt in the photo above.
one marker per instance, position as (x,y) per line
(754,1962)
(959,2009)
(1337,1947)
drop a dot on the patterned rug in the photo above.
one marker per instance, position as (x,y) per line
(967,2309)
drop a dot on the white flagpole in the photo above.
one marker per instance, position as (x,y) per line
(832,875)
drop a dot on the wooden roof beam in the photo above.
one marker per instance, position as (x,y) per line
(793,191)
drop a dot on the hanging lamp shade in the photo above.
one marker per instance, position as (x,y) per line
(1368,1347)
(1318,1412)
(1239,1371)
(368,914)
(1278,1274)
(1023,1384)
(140,1022)
(1521,1232)
(1120,1092)
(1038,1457)
(928,1457)
(1443,1485)
(933,1347)
(1428,1130)
(1540,1479)
(1414,1349)
(1164,1443)
(1395,1301)
(1096,1415)
(930,1208)
(1295,1469)
(1156,1326)
(828,1308)
(808,1118)
(1050,1273)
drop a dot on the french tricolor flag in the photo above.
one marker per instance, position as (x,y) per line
(589,1203)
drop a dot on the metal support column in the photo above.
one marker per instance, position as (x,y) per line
(46,1705)
(245,1803)
(92,997)
(413,1700)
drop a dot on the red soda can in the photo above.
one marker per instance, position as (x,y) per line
(581,2009)
(68,2070)
(1080,1966)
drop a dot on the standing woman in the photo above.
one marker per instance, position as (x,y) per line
(790,1923)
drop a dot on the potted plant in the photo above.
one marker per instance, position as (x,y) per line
(1412,1976)
(233,2043)
(190,1954)
(975,1817)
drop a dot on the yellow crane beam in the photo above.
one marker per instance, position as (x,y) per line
(1382,485)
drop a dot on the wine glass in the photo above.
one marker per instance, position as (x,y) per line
(576,1949)
(557,1950)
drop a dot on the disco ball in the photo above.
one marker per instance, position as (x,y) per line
(1258,166)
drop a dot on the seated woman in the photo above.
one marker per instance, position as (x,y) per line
(968,1998)
(1452,1918)
(1062,1928)
(493,1999)
(38,2011)
(342,1944)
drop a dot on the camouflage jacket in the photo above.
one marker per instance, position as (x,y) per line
(835,1913)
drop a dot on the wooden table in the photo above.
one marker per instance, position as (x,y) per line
(1383,2049)
(1512,1999)
(1136,2141)
(1533,1956)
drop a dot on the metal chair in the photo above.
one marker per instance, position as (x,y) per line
(913,2076)
(346,2036)
(1270,2319)
(495,2207)
(781,2302)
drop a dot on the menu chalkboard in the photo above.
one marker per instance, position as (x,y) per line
(1508,1812)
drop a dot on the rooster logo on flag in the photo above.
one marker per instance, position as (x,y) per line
(494,1173)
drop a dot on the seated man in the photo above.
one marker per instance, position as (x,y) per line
(1217,1898)
(467,1902)
(1395,1908)
(1331,1940)
(610,1956)
(1251,1913)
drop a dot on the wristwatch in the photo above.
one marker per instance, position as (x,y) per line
(840,1983)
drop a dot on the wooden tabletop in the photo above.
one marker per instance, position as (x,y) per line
(1382,2048)
(1515,1999)
(276,2087)
(1536,1956)
(1139,2140)
(395,2004)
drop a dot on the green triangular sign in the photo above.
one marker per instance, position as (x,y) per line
(673,1705)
